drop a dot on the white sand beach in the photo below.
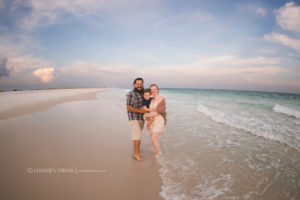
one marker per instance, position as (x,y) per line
(18,103)
(54,146)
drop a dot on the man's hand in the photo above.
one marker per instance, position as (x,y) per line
(147,109)
(152,110)
(143,110)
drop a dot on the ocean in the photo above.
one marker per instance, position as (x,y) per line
(221,144)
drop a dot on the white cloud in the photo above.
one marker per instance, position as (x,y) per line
(253,8)
(86,69)
(260,11)
(20,57)
(46,12)
(15,45)
(44,74)
(227,72)
(285,40)
(222,66)
(96,74)
(21,63)
(238,62)
(288,17)
(81,68)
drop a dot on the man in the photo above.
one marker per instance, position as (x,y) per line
(135,114)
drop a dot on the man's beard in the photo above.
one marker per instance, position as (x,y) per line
(139,91)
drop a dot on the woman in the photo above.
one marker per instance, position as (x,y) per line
(158,107)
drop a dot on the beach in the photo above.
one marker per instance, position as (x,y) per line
(217,145)
(71,144)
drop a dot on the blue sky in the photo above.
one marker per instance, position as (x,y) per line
(217,44)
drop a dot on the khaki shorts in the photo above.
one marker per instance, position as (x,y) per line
(136,127)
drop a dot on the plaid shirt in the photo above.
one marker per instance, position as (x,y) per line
(135,100)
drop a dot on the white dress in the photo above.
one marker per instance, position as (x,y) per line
(158,124)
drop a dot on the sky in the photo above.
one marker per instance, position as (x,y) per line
(215,44)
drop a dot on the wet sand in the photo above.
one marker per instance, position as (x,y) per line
(74,150)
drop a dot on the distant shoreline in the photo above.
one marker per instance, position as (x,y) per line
(19,103)
(233,90)
(20,90)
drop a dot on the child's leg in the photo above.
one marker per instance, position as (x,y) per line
(146,116)
(150,120)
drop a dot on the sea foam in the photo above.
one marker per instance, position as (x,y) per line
(247,123)
(287,111)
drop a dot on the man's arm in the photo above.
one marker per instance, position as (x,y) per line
(132,109)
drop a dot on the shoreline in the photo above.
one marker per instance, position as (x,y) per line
(175,88)
(75,151)
(11,109)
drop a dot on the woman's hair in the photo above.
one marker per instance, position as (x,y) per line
(154,86)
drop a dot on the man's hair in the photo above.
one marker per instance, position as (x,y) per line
(147,91)
(137,79)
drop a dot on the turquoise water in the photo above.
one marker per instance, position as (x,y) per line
(229,144)
(273,116)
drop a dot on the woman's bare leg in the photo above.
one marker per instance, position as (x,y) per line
(156,147)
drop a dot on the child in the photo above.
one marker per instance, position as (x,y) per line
(145,105)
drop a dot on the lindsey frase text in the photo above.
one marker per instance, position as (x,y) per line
(61,170)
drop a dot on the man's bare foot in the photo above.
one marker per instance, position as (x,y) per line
(137,157)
